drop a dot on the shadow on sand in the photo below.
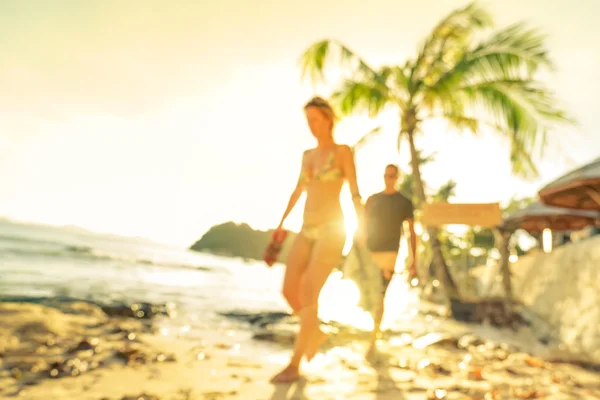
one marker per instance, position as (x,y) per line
(285,392)
(386,388)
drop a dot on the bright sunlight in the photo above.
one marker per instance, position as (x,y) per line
(340,297)
(350,220)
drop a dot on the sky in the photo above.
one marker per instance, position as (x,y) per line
(159,119)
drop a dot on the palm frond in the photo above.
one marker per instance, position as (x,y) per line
(366,138)
(399,142)
(462,122)
(521,161)
(315,59)
(446,191)
(395,79)
(515,47)
(426,159)
(445,43)
(511,53)
(394,75)
(522,110)
(519,103)
(361,95)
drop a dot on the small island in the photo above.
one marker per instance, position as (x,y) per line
(239,240)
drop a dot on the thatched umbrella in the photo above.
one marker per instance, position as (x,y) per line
(537,216)
(579,189)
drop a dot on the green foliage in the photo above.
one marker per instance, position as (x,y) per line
(516,204)
(483,238)
(443,193)
(238,240)
(463,73)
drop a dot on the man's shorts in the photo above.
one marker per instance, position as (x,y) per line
(386,261)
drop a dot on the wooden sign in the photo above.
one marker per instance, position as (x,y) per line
(485,215)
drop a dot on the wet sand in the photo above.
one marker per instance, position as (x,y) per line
(77,350)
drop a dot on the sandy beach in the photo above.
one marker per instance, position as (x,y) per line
(104,324)
(77,350)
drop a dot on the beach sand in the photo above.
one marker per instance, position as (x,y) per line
(77,351)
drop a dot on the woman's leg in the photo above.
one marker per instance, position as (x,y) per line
(325,256)
(297,262)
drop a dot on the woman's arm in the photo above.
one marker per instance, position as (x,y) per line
(300,185)
(350,173)
(362,230)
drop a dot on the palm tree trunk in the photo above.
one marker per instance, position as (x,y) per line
(441,269)
(502,239)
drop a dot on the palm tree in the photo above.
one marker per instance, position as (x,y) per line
(469,82)
(406,185)
(446,191)
(443,193)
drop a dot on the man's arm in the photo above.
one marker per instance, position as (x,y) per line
(412,271)
(413,242)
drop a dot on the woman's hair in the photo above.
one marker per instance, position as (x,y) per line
(323,106)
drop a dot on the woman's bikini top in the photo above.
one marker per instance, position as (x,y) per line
(328,172)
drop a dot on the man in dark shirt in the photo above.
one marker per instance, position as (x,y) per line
(385,213)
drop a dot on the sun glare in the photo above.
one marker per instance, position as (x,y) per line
(339,302)
(350,220)
(547,240)
(340,297)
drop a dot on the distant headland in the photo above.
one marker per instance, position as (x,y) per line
(238,240)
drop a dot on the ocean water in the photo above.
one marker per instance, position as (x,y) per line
(44,261)
(49,262)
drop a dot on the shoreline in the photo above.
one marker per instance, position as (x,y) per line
(83,352)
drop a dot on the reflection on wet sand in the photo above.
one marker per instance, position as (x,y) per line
(386,384)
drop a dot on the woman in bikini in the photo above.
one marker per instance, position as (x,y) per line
(318,247)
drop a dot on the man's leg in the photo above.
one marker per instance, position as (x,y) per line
(386,262)
(378,317)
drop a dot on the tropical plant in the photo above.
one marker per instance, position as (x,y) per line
(406,183)
(464,73)
(443,193)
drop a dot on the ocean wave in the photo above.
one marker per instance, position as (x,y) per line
(258,319)
(22,239)
(46,248)
(138,310)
